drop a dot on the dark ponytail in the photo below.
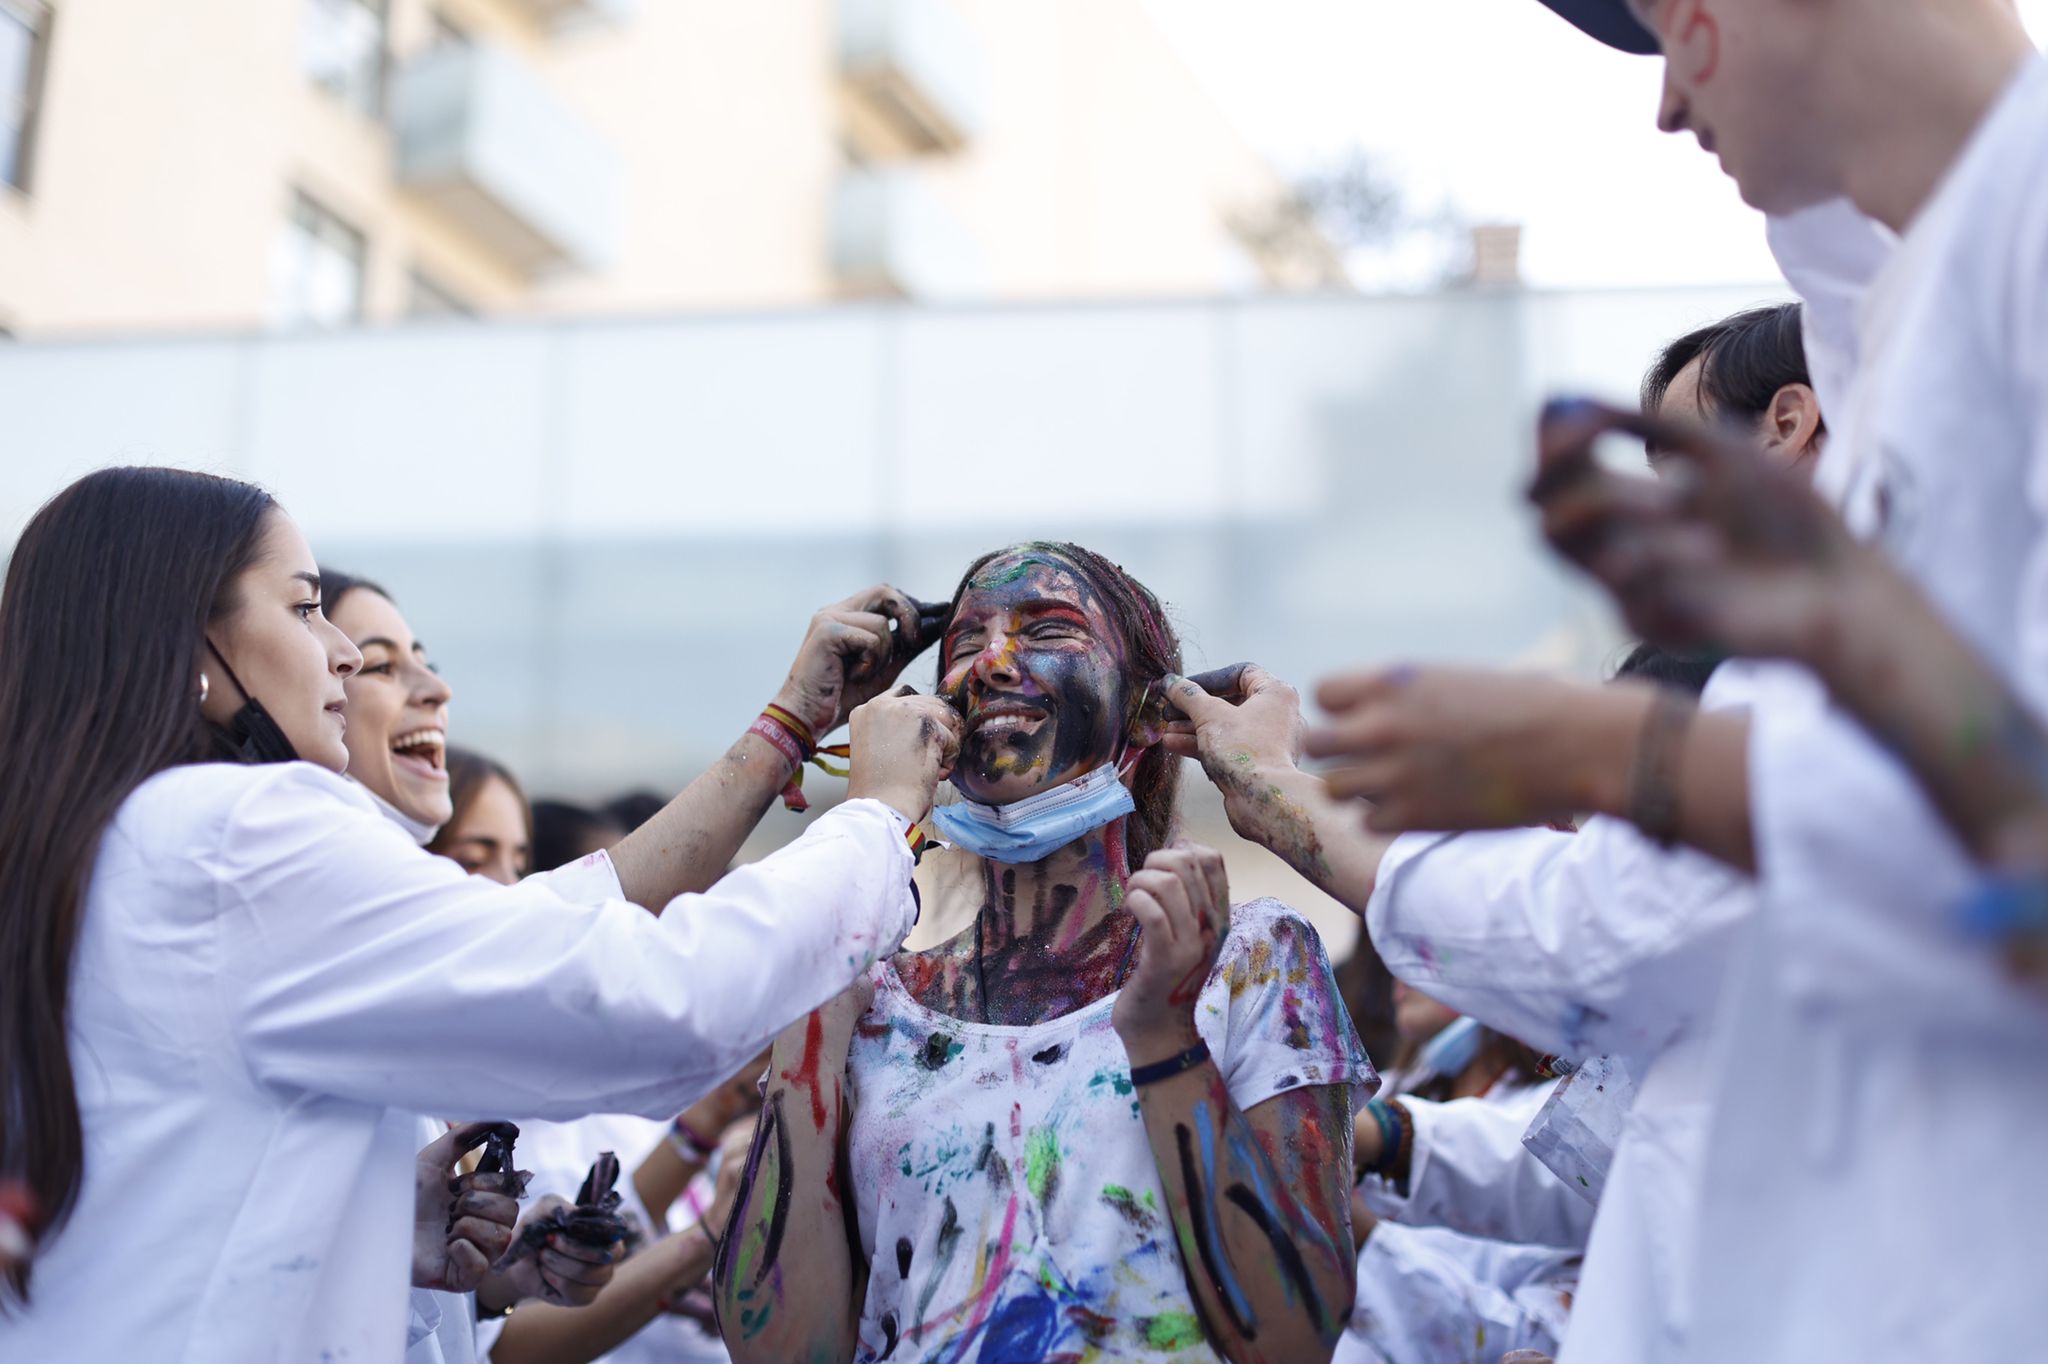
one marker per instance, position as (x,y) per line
(107,600)
(1152,650)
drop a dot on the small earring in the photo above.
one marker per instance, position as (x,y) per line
(202,689)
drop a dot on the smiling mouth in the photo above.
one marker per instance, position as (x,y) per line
(423,752)
(1003,717)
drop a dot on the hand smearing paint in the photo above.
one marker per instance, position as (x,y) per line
(1240,734)
(1181,900)
(854,651)
(903,746)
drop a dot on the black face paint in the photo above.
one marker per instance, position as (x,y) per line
(257,736)
(1082,691)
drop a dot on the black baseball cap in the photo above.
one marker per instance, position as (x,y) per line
(1611,21)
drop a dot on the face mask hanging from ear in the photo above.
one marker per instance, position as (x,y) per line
(1450,1051)
(1033,829)
(258,737)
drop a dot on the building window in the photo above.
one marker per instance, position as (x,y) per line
(24,42)
(341,47)
(317,272)
(431,299)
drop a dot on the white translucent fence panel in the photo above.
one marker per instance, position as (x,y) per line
(612,533)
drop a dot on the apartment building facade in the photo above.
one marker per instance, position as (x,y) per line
(286,163)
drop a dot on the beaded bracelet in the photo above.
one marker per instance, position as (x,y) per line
(688,1144)
(1170,1067)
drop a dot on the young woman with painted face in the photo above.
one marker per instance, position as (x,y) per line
(229,981)
(1110,1117)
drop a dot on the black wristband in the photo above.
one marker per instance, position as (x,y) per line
(1170,1067)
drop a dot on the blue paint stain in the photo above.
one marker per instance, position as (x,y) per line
(1022,1331)
(1203,1204)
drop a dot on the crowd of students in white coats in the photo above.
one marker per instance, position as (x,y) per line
(1721,1024)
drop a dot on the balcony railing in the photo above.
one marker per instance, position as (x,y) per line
(485,142)
(913,72)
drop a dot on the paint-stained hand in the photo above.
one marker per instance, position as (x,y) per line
(1468,748)
(1729,548)
(903,746)
(1181,900)
(460,1223)
(564,1272)
(1252,729)
(854,651)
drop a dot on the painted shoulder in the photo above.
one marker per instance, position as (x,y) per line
(1263,933)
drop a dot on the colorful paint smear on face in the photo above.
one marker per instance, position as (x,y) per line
(1034,663)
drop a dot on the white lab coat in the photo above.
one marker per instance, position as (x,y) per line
(1469,1172)
(1481,1255)
(1584,944)
(271,981)
(1877,1193)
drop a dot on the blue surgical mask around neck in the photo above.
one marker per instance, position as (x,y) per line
(1450,1051)
(1033,829)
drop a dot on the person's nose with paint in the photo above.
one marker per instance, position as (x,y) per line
(1030,661)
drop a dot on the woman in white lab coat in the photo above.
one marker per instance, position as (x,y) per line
(228,984)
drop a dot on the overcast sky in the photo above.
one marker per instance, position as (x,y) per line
(1495,107)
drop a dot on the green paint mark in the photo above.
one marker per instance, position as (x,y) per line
(1173,1331)
(1042,1162)
(1000,574)
(1118,1080)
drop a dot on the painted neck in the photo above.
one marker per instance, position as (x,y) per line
(1054,902)
(1921,89)
(1051,936)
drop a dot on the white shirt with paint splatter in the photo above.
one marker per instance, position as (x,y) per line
(1009,1203)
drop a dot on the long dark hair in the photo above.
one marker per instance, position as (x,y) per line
(106,605)
(1152,649)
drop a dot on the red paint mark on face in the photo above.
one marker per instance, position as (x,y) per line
(806,1074)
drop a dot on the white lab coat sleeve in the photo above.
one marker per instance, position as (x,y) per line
(1470,1173)
(356,965)
(1867,884)
(1424,1296)
(1576,944)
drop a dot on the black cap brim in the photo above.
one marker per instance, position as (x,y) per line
(1611,21)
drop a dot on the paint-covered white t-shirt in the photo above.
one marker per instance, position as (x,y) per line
(1009,1203)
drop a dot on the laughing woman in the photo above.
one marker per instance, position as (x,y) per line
(226,982)
(1109,1119)
(397,708)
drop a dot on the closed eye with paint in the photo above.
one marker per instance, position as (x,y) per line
(1034,663)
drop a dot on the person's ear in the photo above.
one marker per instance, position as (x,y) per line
(1148,717)
(1792,426)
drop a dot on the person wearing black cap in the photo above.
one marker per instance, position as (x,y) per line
(1613,22)
(1878,1059)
